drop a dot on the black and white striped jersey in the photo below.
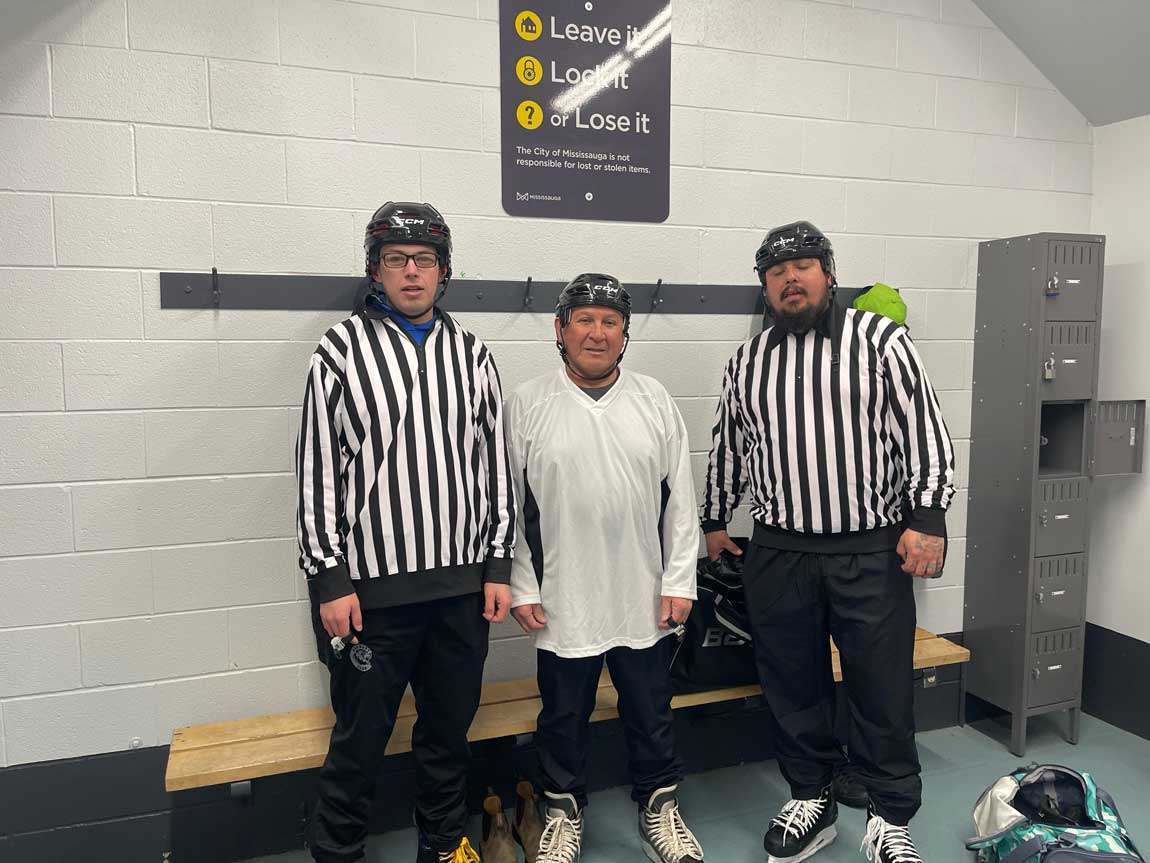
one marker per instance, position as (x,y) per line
(402,464)
(830,432)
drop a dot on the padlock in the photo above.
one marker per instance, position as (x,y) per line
(1052,286)
(529,70)
(1048,370)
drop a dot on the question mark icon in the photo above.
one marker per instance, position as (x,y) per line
(529,114)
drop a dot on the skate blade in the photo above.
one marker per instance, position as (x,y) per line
(820,842)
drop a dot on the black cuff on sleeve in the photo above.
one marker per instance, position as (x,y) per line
(497,570)
(332,583)
(710,525)
(929,520)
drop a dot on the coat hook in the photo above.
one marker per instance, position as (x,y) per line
(656,300)
(215,288)
(528,300)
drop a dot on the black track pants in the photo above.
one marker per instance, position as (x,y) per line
(795,600)
(439,648)
(567,686)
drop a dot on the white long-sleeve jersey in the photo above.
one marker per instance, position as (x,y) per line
(608,503)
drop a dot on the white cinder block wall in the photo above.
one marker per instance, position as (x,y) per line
(1119,545)
(147,568)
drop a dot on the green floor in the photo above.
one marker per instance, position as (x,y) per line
(728,809)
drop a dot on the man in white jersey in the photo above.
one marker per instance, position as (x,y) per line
(604,566)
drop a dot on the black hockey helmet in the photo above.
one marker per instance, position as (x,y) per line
(789,242)
(406,222)
(593,289)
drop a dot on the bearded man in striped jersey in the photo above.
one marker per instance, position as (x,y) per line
(829,425)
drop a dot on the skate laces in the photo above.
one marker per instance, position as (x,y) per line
(673,838)
(883,837)
(463,854)
(559,842)
(799,816)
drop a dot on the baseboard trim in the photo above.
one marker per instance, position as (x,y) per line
(1115,667)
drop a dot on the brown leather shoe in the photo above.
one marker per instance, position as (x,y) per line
(498,846)
(528,825)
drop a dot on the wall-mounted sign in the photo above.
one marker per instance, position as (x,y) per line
(586,108)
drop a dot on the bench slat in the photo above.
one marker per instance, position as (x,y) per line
(221,752)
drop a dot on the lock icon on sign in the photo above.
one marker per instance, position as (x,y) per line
(527,70)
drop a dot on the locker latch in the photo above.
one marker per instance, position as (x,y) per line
(1048,370)
(1044,519)
(1040,597)
(929,678)
(1052,286)
(1036,672)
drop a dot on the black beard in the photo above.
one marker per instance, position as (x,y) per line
(799,323)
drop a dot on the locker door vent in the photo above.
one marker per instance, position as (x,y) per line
(1070,334)
(1118,412)
(1054,491)
(1072,253)
(1055,642)
(1058,567)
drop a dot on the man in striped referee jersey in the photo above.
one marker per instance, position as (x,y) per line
(829,425)
(406,524)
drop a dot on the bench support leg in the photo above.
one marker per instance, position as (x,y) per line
(961,694)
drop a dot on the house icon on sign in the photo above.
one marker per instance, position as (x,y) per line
(527,25)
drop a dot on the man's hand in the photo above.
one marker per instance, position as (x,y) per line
(921,553)
(675,610)
(496,601)
(719,540)
(530,617)
(336,614)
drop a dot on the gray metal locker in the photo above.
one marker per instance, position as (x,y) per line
(1061,516)
(1038,438)
(1073,280)
(1056,667)
(1066,370)
(1118,430)
(1059,592)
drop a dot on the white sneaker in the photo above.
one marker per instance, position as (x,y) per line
(562,829)
(665,836)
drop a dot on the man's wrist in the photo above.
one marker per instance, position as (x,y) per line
(497,570)
(331,584)
(929,520)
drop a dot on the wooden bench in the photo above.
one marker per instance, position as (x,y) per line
(244,749)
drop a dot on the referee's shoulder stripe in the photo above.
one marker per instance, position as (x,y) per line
(335,341)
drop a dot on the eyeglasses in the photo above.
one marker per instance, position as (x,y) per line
(398,260)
